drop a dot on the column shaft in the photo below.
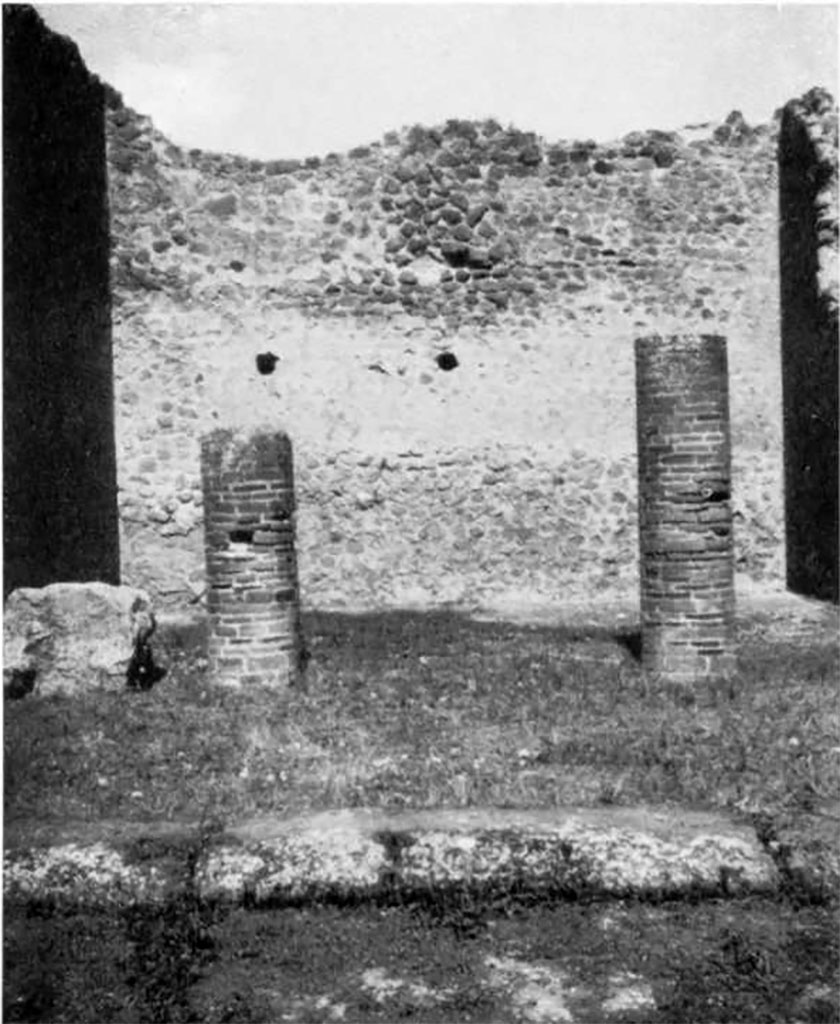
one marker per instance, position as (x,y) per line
(253,600)
(685,512)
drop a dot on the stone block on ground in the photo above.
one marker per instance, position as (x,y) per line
(73,637)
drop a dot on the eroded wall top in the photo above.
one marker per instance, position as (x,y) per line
(467,223)
(808,141)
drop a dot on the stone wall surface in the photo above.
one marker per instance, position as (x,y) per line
(73,638)
(59,475)
(534,264)
(808,249)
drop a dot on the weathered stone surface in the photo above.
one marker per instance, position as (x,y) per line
(609,852)
(72,637)
(543,346)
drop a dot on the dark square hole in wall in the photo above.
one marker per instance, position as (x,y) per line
(457,256)
(266,361)
(446,360)
(241,536)
(631,641)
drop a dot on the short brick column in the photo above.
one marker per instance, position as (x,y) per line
(253,602)
(685,514)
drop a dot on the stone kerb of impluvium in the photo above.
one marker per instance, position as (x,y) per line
(685,513)
(249,533)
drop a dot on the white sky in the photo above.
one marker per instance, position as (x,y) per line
(292,80)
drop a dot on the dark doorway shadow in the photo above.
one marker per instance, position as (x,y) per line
(60,510)
(809,353)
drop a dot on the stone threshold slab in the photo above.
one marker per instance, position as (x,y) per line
(362,854)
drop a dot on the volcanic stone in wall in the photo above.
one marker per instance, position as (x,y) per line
(808,255)
(60,493)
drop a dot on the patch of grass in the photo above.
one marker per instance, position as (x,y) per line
(168,948)
(753,973)
(53,969)
(71,963)
(67,961)
(744,961)
(429,710)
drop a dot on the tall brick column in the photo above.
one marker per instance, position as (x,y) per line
(248,483)
(685,515)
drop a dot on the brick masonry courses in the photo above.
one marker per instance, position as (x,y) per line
(218,258)
(685,513)
(252,597)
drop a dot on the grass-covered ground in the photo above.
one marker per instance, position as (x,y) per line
(429,710)
(435,710)
(627,962)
